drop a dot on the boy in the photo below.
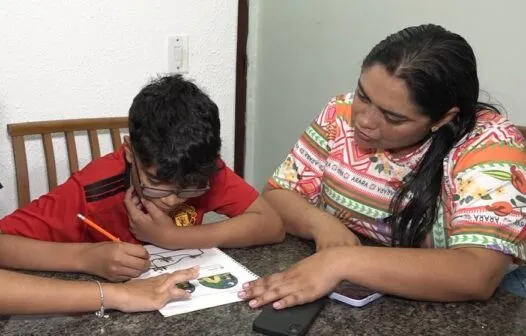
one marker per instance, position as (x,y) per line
(155,189)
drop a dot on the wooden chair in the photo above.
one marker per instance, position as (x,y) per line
(46,129)
(522,129)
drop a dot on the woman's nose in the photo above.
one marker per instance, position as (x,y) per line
(369,118)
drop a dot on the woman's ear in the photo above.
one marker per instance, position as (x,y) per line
(127,149)
(450,115)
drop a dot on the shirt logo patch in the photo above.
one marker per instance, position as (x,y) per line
(185,215)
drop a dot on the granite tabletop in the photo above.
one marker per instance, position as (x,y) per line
(504,314)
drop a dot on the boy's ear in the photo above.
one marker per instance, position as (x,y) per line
(127,149)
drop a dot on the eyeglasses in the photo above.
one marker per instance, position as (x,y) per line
(151,192)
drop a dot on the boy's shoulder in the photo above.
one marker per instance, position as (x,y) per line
(223,174)
(229,194)
(106,169)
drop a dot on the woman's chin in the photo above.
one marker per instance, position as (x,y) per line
(364,145)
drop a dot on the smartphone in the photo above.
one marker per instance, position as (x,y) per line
(293,321)
(354,295)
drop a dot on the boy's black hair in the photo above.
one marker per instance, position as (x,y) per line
(175,127)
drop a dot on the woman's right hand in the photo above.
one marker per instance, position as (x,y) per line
(148,294)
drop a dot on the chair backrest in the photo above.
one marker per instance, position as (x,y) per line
(45,129)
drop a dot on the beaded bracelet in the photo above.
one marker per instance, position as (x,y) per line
(100,312)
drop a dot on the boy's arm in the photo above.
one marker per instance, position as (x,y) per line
(26,253)
(252,221)
(49,218)
(52,218)
(259,224)
(110,260)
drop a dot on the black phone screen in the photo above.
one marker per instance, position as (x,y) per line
(294,321)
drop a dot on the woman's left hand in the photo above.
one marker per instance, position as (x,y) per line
(306,281)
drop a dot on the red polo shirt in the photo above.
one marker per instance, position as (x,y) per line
(97,191)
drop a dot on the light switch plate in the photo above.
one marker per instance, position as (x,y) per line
(178,54)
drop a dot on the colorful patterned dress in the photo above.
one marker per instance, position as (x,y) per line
(482,203)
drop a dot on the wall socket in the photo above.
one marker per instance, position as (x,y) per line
(178,54)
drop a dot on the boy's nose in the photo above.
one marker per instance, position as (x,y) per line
(171,200)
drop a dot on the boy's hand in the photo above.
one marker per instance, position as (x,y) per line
(115,261)
(150,227)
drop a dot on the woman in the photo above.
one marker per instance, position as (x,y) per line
(28,294)
(411,160)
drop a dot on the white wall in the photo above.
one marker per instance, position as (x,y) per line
(310,50)
(73,59)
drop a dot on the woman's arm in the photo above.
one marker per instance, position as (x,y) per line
(115,261)
(27,294)
(303,219)
(421,274)
(427,274)
(258,225)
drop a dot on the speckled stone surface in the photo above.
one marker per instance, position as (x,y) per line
(504,314)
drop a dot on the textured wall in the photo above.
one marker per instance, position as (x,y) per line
(305,51)
(74,59)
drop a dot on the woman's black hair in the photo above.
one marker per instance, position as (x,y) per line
(440,71)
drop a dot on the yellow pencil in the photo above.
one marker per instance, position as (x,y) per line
(98,228)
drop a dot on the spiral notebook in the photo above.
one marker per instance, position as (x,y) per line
(220,277)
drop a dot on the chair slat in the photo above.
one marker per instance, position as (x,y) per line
(67,127)
(94,144)
(72,152)
(115,138)
(22,177)
(50,161)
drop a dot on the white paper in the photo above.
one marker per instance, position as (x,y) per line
(220,277)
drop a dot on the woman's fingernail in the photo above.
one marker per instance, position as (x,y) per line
(242,295)
(253,303)
(276,305)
